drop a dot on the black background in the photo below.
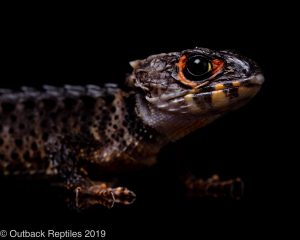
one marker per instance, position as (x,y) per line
(82,45)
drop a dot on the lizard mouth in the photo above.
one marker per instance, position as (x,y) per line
(218,96)
(224,96)
(223,84)
(227,95)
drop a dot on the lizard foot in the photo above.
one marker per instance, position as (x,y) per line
(101,194)
(214,187)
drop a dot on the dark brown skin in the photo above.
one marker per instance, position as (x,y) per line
(62,132)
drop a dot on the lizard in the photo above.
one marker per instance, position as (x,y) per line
(64,132)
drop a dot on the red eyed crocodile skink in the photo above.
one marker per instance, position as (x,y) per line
(63,132)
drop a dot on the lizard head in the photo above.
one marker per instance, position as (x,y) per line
(182,91)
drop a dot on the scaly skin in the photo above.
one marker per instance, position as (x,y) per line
(64,132)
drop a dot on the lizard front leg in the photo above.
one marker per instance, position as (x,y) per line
(74,178)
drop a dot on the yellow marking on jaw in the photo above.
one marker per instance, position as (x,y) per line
(236,83)
(219,86)
(219,99)
(247,92)
(189,99)
(194,90)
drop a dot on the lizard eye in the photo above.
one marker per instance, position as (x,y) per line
(197,68)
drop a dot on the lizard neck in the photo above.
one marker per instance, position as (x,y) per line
(171,126)
(148,141)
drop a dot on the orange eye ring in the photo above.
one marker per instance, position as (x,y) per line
(217,66)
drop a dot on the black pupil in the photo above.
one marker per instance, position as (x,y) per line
(197,65)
